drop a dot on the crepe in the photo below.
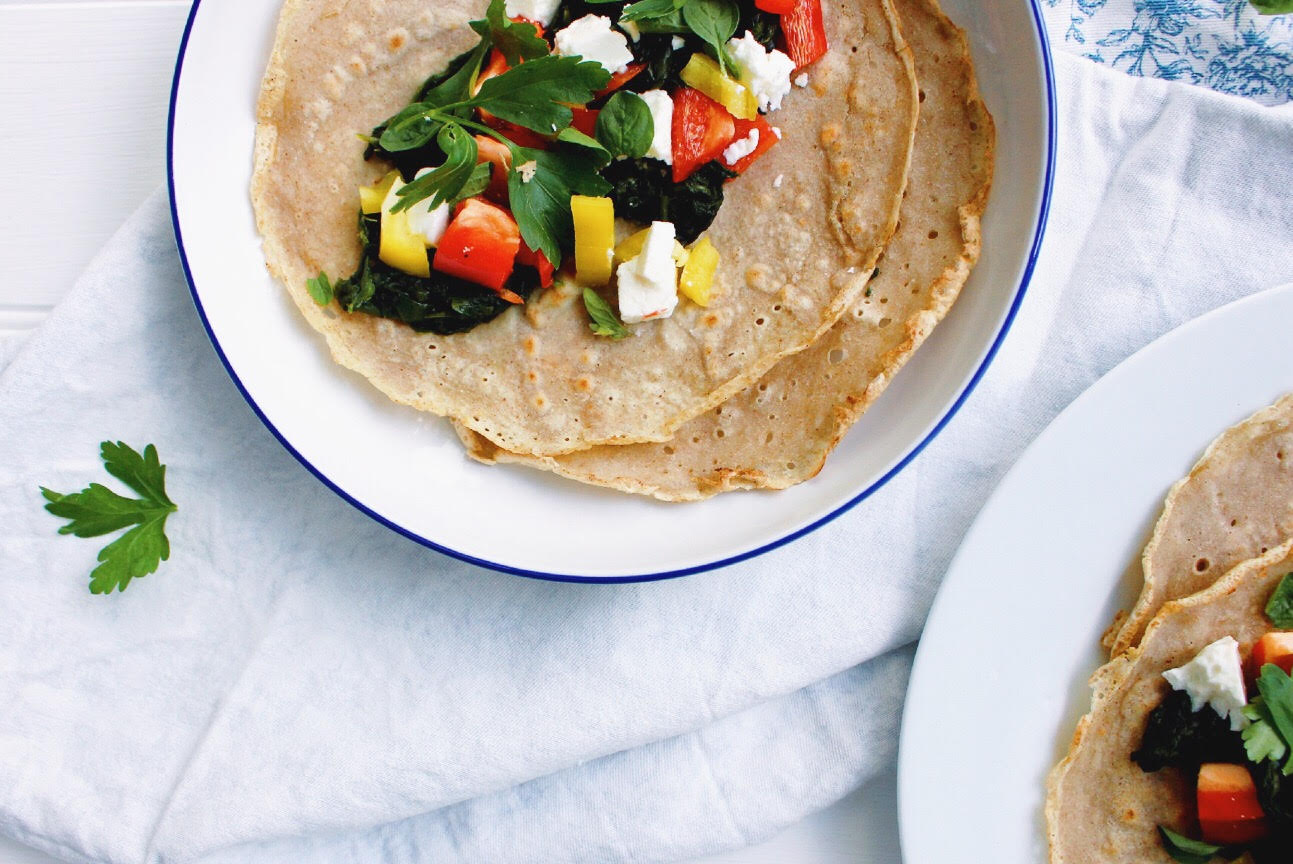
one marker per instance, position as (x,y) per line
(536,380)
(780,431)
(1101,807)
(1235,504)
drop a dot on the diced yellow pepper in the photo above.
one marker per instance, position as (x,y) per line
(594,239)
(703,73)
(697,282)
(400,247)
(632,248)
(371,197)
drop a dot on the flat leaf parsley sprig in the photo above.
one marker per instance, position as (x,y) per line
(97,510)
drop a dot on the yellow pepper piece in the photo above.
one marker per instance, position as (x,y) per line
(400,247)
(632,248)
(703,73)
(594,239)
(697,282)
(371,197)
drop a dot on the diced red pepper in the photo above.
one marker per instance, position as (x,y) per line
(519,135)
(496,66)
(805,32)
(702,129)
(585,120)
(619,79)
(480,245)
(500,161)
(530,258)
(768,139)
(779,7)
(1274,648)
(1229,811)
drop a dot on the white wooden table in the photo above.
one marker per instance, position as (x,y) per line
(84,87)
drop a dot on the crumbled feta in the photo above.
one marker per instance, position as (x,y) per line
(677,42)
(1215,677)
(632,28)
(776,130)
(776,184)
(527,170)
(765,72)
(739,149)
(801,80)
(431,224)
(538,11)
(593,38)
(648,284)
(661,105)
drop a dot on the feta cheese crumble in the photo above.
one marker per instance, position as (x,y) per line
(593,38)
(677,42)
(632,28)
(527,170)
(648,284)
(661,105)
(765,72)
(741,148)
(1215,677)
(538,11)
(776,184)
(802,80)
(428,223)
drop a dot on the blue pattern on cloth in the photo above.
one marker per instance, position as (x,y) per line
(1223,44)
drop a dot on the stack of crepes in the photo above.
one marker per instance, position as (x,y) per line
(842,248)
(1222,545)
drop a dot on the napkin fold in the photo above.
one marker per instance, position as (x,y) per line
(298,683)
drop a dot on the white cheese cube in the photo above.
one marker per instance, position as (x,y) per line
(593,38)
(742,147)
(648,284)
(538,11)
(661,105)
(765,72)
(1215,677)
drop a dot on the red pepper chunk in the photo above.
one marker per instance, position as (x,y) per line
(702,130)
(805,32)
(585,120)
(480,245)
(527,257)
(619,79)
(768,139)
(1229,811)
(499,158)
(1274,648)
(778,7)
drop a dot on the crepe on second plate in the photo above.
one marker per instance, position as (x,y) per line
(779,432)
(536,380)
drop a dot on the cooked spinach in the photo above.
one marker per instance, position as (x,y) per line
(644,191)
(664,63)
(573,10)
(1177,736)
(766,26)
(441,304)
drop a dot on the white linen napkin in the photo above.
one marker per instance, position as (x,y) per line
(298,683)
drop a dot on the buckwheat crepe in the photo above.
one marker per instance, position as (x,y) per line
(780,431)
(1101,807)
(1236,503)
(536,380)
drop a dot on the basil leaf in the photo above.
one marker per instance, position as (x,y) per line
(645,10)
(1280,607)
(625,126)
(456,87)
(1273,7)
(541,204)
(671,23)
(537,94)
(1185,850)
(714,21)
(411,128)
(605,323)
(320,289)
(477,183)
(596,151)
(1277,694)
(517,40)
(445,182)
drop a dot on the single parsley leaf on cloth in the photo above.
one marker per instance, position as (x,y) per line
(1280,607)
(1188,851)
(517,40)
(714,21)
(605,323)
(1276,688)
(97,510)
(541,203)
(1273,7)
(625,126)
(320,288)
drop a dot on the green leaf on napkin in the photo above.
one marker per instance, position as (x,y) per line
(1273,7)
(96,510)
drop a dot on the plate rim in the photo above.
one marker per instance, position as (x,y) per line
(1043,218)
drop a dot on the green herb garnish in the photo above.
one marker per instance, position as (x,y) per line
(541,204)
(714,21)
(97,510)
(1261,741)
(1276,688)
(1188,851)
(605,323)
(320,289)
(625,126)
(1280,607)
(1273,7)
(446,182)
(517,40)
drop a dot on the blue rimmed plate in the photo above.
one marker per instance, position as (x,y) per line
(407,469)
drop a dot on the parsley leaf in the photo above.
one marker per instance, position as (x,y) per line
(625,126)
(1273,7)
(517,40)
(1261,741)
(541,204)
(1276,688)
(97,510)
(646,10)
(1280,607)
(605,322)
(320,289)
(1188,851)
(446,182)
(714,21)
(538,94)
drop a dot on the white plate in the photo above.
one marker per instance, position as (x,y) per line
(408,471)
(1000,677)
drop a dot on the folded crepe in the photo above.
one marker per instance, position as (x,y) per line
(795,254)
(779,431)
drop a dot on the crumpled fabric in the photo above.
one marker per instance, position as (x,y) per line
(298,683)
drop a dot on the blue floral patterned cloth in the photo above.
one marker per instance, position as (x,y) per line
(1223,44)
